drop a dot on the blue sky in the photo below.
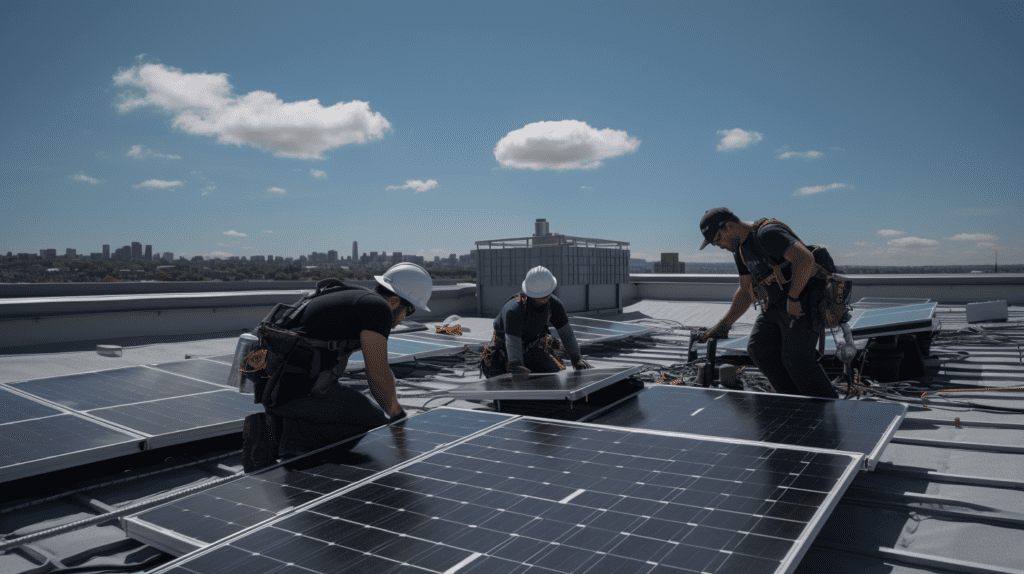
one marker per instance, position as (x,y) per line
(890,132)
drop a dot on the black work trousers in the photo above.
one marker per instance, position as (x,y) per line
(786,355)
(319,420)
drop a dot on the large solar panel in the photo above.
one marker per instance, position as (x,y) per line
(150,401)
(36,438)
(856,426)
(886,302)
(195,521)
(628,329)
(569,384)
(403,350)
(893,320)
(202,369)
(537,496)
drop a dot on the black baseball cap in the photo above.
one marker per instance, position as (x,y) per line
(713,220)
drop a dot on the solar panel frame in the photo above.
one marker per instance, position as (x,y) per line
(631,329)
(45,429)
(503,386)
(871,457)
(176,543)
(887,302)
(427,549)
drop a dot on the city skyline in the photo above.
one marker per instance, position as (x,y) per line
(886,132)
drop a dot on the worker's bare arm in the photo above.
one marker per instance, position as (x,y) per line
(380,378)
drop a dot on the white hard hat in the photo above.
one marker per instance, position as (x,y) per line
(410,282)
(539,282)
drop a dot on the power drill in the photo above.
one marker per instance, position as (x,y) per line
(708,373)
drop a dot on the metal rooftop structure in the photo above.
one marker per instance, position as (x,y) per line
(944,496)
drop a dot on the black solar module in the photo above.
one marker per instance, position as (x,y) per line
(858,426)
(538,497)
(203,518)
(568,384)
(209,371)
(37,438)
(112,387)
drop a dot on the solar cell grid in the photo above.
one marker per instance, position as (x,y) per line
(14,407)
(113,387)
(180,414)
(857,426)
(567,384)
(209,371)
(489,505)
(208,516)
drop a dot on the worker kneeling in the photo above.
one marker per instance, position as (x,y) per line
(521,342)
(306,408)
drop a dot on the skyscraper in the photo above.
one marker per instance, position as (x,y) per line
(106,251)
(149,253)
(332,256)
(355,250)
(136,250)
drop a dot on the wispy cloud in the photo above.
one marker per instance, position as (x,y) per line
(158,184)
(217,255)
(737,138)
(912,243)
(203,104)
(561,145)
(84,178)
(277,190)
(891,232)
(318,173)
(786,153)
(142,152)
(234,233)
(268,231)
(811,190)
(418,186)
(586,187)
(973,237)
(861,243)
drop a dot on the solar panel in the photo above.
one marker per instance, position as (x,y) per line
(195,521)
(856,426)
(209,371)
(112,387)
(886,302)
(540,496)
(183,419)
(403,350)
(567,384)
(894,320)
(471,339)
(630,329)
(37,438)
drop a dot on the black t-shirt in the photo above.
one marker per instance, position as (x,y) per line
(339,316)
(528,323)
(774,240)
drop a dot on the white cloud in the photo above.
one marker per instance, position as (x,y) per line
(277,190)
(786,153)
(561,145)
(891,233)
(811,190)
(861,243)
(987,245)
(158,184)
(234,233)
(418,186)
(586,187)
(911,242)
(142,152)
(217,255)
(318,173)
(268,231)
(203,104)
(84,178)
(737,139)
(973,237)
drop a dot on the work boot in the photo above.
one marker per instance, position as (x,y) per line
(259,442)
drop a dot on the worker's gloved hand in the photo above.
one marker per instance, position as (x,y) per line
(518,371)
(400,417)
(579,364)
(719,331)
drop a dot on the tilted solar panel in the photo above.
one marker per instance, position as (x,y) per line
(540,496)
(569,384)
(856,426)
(193,522)
(37,438)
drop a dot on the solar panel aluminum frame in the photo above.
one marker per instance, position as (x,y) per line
(870,459)
(540,394)
(355,364)
(180,545)
(134,443)
(787,565)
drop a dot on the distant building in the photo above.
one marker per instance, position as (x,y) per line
(106,251)
(136,252)
(71,253)
(355,250)
(332,256)
(637,265)
(168,256)
(669,264)
(48,253)
(96,256)
(257,259)
(149,253)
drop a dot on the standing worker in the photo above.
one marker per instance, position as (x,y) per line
(521,342)
(776,270)
(308,409)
